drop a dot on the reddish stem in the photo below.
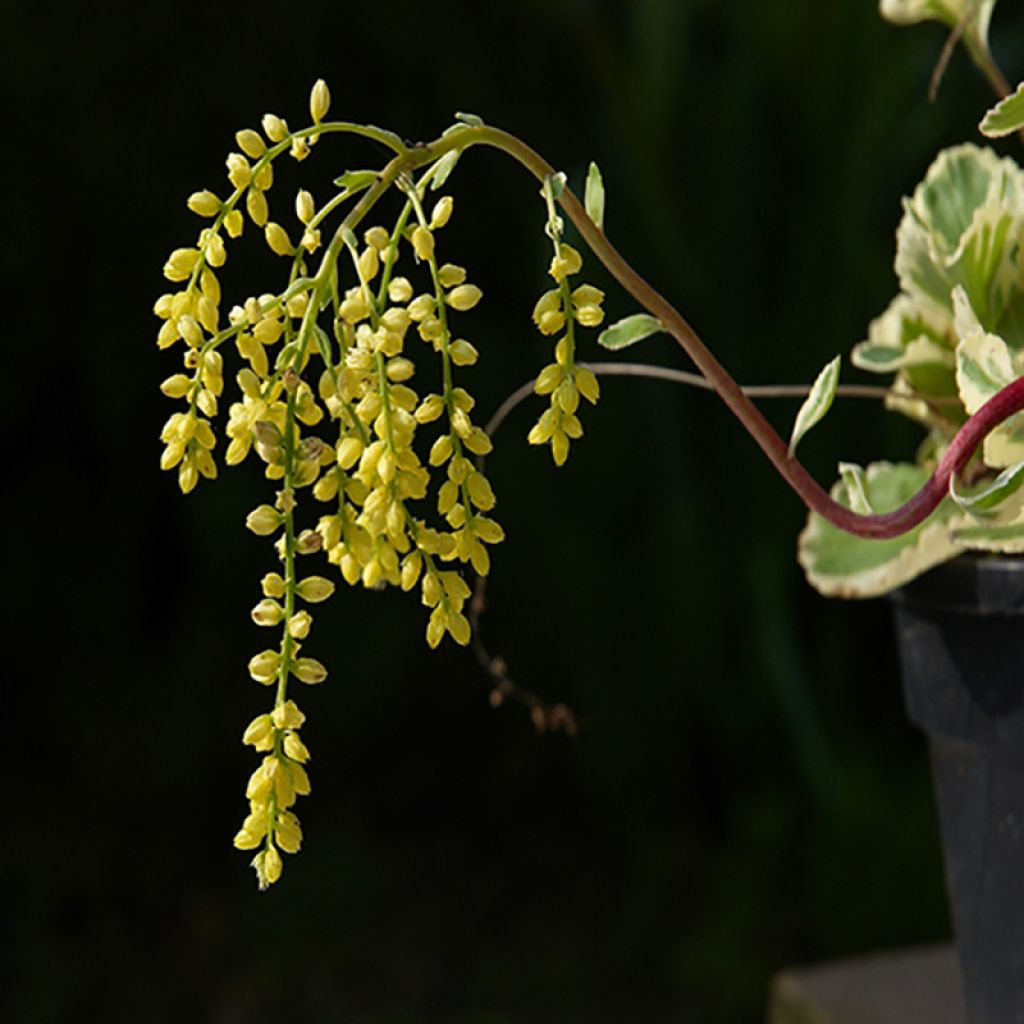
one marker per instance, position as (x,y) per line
(891,524)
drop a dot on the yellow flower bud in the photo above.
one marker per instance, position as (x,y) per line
(287,716)
(295,749)
(205,203)
(250,143)
(319,100)
(412,564)
(463,353)
(264,177)
(258,730)
(349,451)
(299,624)
(458,626)
(430,409)
(271,868)
(180,263)
(256,206)
(263,667)
(239,171)
(567,262)
(400,369)
(588,295)
(305,208)
(274,128)
(278,240)
(399,289)
(369,264)
(587,384)
(377,237)
(267,613)
(559,447)
(436,627)
(263,520)
(480,492)
(466,296)
(354,307)
(488,530)
(548,379)
(441,450)
(450,275)
(190,331)
(273,585)
(315,589)
(246,840)
(299,149)
(422,243)
(309,670)
(177,386)
(431,589)
(478,442)
(421,307)
(442,212)
(233,223)
(589,315)
(287,832)
(206,312)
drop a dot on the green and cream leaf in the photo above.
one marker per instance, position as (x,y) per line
(993,499)
(842,565)
(1006,117)
(629,331)
(817,403)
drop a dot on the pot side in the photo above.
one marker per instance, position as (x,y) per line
(961,638)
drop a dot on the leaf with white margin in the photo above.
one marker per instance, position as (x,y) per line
(852,476)
(1006,117)
(1007,540)
(629,331)
(984,366)
(960,227)
(839,564)
(817,403)
(992,499)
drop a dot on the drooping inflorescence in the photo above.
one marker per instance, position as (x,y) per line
(326,401)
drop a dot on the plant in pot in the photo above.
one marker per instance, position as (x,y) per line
(384,475)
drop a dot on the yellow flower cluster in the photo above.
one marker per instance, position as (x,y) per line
(281,777)
(329,348)
(557,310)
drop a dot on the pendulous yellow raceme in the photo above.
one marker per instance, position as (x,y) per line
(337,348)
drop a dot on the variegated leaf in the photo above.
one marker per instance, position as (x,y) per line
(842,565)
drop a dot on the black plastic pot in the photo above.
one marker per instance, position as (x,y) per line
(961,634)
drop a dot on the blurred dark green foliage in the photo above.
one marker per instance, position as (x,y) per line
(745,793)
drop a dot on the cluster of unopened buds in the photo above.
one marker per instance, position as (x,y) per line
(331,350)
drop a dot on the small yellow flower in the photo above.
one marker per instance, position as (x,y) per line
(319,100)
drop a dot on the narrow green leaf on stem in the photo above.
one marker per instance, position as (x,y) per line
(817,403)
(629,331)
(353,181)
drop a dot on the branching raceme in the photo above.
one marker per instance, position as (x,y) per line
(366,307)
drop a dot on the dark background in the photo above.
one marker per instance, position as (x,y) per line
(745,793)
